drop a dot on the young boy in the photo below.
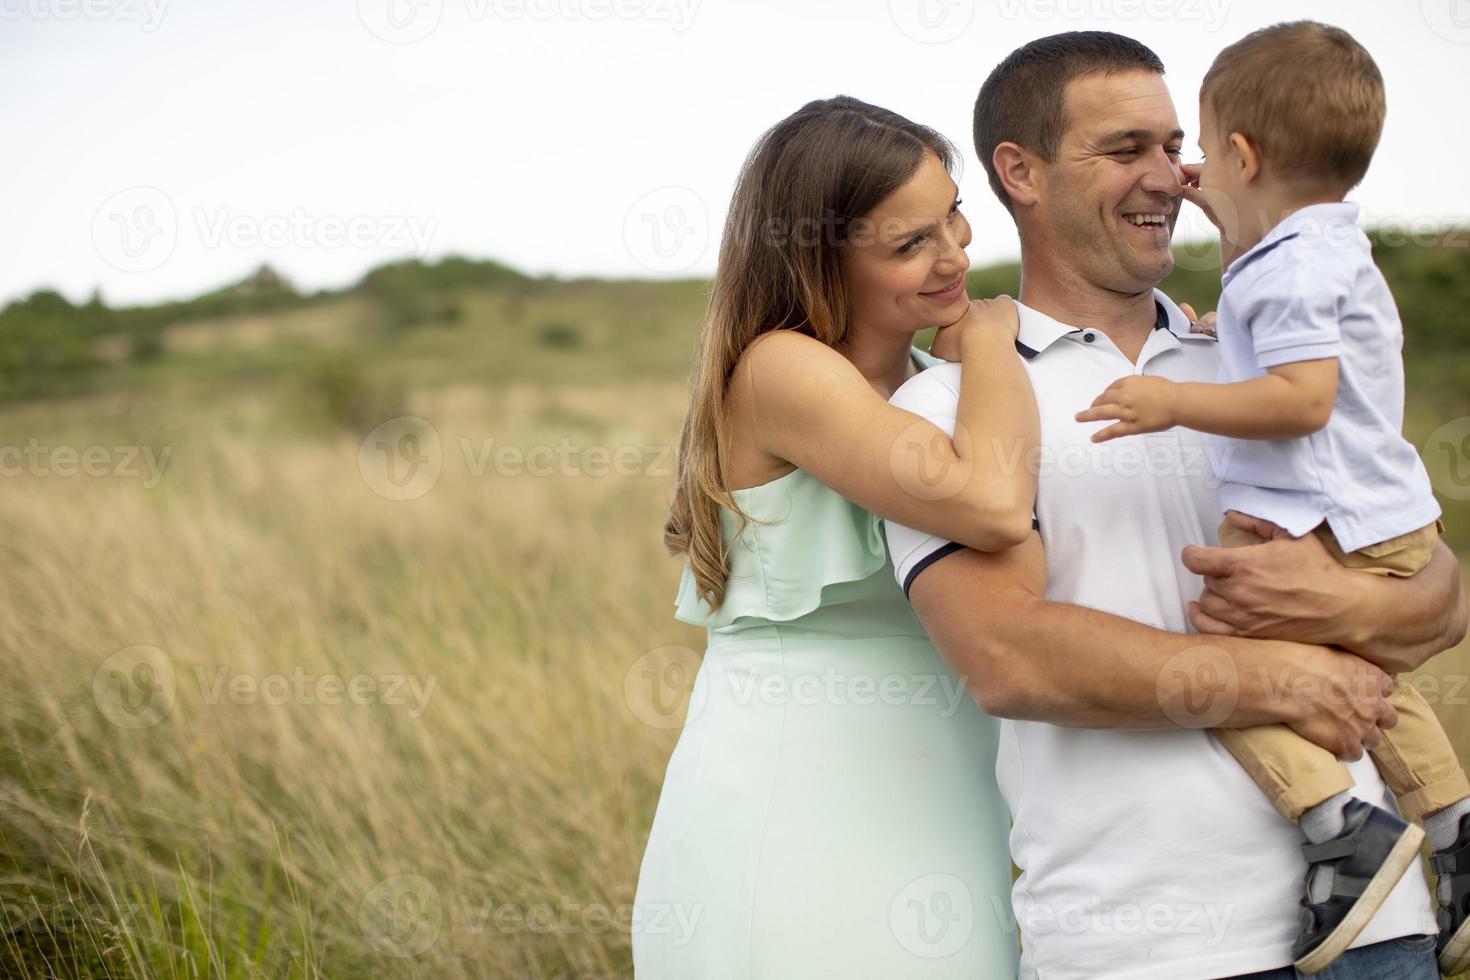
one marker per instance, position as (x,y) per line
(1311,399)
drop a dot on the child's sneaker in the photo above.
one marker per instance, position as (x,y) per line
(1453,867)
(1367,859)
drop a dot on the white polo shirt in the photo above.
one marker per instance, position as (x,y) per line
(1143,854)
(1309,290)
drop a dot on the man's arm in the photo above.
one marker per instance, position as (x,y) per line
(1290,588)
(1024,657)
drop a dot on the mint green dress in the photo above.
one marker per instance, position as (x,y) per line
(830,809)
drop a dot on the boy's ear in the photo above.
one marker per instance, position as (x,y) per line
(1018,172)
(1247,157)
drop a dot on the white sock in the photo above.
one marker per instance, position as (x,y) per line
(1322,823)
(1444,825)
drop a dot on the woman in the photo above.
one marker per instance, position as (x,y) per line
(830,809)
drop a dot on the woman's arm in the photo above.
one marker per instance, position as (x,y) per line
(1291,588)
(812,407)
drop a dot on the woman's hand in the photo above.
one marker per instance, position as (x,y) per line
(988,317)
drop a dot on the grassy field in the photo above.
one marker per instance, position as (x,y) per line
(491,784)
(291,695)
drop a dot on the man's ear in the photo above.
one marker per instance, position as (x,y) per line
(1018,172)
(1247,157)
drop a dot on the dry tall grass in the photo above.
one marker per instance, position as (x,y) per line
(490,826)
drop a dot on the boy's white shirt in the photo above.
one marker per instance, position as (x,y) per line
(1309,290)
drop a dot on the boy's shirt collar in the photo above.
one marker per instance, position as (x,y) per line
(1313,219)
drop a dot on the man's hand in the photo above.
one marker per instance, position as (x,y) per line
(1291,588)
(1140,403)
(1287,588)
(1345,700)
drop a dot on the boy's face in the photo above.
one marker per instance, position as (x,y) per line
(1217,177)
(1231,202)
(1110,199)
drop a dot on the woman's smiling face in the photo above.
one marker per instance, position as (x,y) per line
(904,264)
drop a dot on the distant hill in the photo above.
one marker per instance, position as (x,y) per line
(478,319)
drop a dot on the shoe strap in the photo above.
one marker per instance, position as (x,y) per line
(1331,850)
(1451,861)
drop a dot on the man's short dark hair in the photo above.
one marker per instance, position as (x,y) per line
(1023,100)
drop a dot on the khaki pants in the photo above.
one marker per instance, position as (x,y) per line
(1415,757)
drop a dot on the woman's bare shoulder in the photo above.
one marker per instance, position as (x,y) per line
(779,358)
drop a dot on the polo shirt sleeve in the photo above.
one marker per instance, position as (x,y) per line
(934,395)
(1290,308)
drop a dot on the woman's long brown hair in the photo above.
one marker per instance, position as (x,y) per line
(804,184)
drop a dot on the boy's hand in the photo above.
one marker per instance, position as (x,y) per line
(997,316)
(1218,208)
(1194,195)
(1140,403)
(1199,324)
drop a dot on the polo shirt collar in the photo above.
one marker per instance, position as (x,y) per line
(1038,331)
(1313,218)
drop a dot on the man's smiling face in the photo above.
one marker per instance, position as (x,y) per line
(1111,197)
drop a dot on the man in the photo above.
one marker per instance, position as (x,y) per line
(1145,854)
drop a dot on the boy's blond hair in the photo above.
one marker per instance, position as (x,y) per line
(1308,95)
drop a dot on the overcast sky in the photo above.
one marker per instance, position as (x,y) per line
(158,148)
